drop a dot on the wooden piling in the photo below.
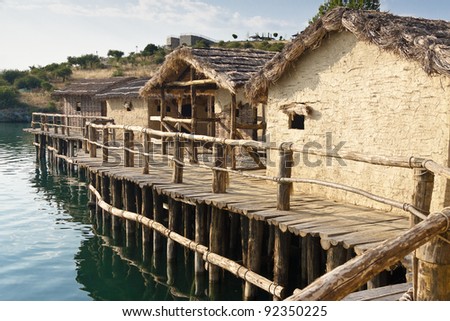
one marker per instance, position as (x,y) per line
(421,200)
(147,211)
(313,258)
(130,205)
(336,256)
(244,239)
(201,237)
(281,258)
(431,266)
(158,217)
(255,239)
(43,147)
(117,201)
(106,194)
(174,225)
(216,244)
(434,270)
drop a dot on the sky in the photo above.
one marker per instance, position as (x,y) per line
(40,32)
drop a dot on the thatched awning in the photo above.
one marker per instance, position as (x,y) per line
(89,87)
(126,90)
(228,68)
(417,39)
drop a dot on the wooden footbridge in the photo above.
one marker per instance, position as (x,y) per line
(294,246)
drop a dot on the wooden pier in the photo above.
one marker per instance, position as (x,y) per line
(247,223)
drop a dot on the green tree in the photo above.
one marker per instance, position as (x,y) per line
(63,72)
(88,61)
(150,50)
(8,97)
(354,4)
(11,75)
(27,82)
(117,54)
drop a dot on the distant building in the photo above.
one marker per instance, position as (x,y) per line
(186,40)
(172,42)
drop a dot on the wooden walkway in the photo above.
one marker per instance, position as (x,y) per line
(354,227)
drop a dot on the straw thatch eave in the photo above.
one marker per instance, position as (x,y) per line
(89,87)
(125,91)
(424,41)
(230,69)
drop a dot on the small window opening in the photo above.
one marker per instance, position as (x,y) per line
(297,121)
(167,109)
(237,112)
(78,106)
(128,106)
(158,108)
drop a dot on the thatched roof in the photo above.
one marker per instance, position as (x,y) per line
(228,68)
(89,87)
(421,40)
(126,90)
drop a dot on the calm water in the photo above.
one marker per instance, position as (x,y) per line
(49,248)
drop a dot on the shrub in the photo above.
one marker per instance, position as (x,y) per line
(118,72)
(11,75)
(8,96)
(27,82)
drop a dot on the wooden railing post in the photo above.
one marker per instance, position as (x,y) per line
(55,123)
(67,123)
(92,140)
(85,132)
(146,143)
(62,121)
(178,156)
(105,142)
(43,122)
(285,163)
(219,182)
(128,141)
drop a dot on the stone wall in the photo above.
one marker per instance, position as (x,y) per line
(369,101)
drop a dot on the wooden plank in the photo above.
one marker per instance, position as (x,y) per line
(385,293)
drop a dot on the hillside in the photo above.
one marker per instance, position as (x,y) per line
(24,92)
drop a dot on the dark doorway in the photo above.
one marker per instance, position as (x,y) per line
(186,111)
(103,108)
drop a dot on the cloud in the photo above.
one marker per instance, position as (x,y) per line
(194,14)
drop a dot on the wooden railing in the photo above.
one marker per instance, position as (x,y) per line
(69,125)
(348,277)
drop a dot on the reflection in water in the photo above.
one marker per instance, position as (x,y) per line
(55,253)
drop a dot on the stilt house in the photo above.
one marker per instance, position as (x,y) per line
(125,105)
(206,92)
(78,97)
(367,82)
